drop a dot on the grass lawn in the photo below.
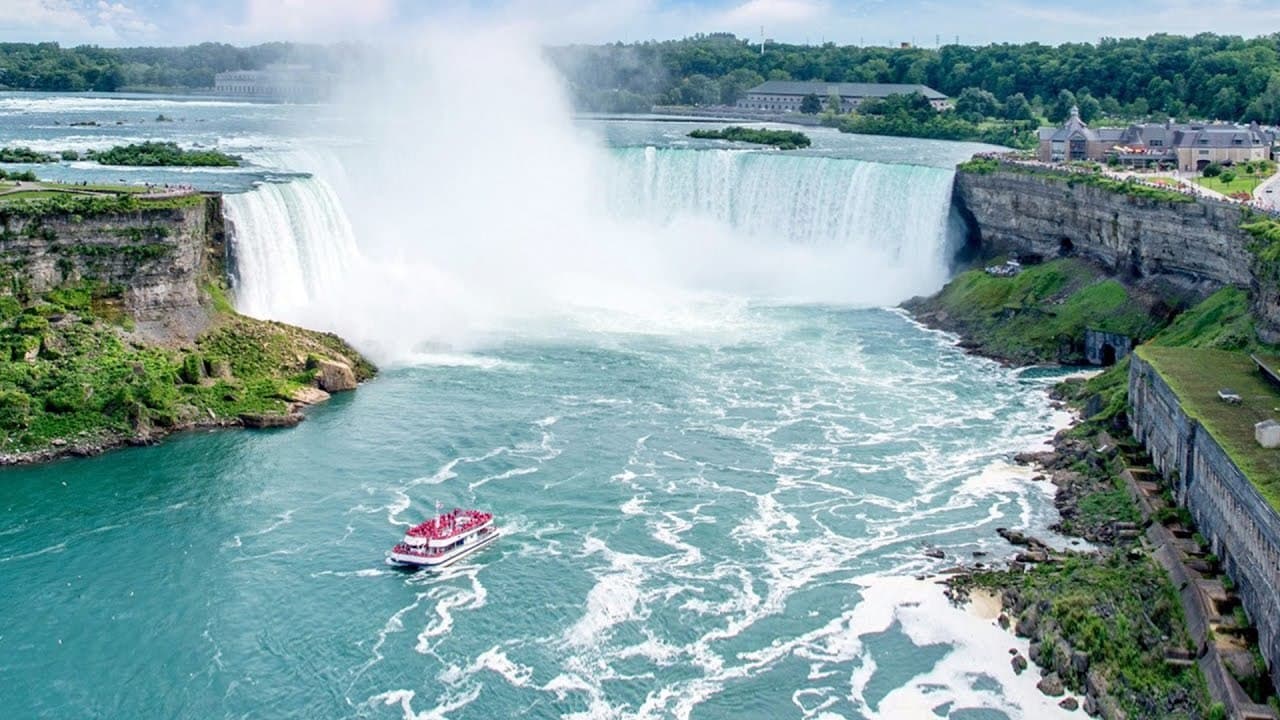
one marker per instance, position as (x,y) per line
(1242,183)
(1196,375)
(32,194)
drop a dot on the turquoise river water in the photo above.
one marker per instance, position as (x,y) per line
(715,508)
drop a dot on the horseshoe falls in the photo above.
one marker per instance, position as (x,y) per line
(671,370)
(663,224)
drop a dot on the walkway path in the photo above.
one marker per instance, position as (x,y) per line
(1268,193)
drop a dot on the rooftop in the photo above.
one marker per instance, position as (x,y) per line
(860,90)
(1164,135)
(1196,375)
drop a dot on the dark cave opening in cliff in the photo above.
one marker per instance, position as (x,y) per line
(1108,355)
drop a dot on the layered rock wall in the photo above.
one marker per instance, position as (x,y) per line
(1048,215)
(1240,525)
(155,259)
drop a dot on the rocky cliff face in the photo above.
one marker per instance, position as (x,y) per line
(1198,247)
(1192,243)
(155,259)
(115,328)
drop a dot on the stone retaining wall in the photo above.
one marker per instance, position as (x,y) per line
(1240,525)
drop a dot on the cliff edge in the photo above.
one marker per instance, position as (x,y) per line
(1170,245)
(116,327)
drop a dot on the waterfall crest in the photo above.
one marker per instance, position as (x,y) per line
(655,227)
(292,243)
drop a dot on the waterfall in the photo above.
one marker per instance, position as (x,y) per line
(292,243)
(897,211)
(647,229)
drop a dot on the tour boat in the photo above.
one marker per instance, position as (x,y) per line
(444,540)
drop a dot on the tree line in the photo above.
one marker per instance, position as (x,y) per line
(1204,76)
(50,67)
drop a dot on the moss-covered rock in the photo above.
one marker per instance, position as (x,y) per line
(1041,313)
(77,371)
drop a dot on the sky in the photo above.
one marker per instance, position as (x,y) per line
(866,22)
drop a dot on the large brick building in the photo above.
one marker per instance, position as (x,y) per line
(785,96)
(1185,146)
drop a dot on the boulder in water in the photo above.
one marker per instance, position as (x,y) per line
(270,420)
(333,376)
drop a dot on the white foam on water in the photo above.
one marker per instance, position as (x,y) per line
(449,598)
(506,475)
(448,704)
(493,660)
(613,599)
(979,648)
(634,506)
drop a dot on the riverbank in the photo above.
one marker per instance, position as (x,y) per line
(1107,627)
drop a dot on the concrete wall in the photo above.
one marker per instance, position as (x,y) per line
(1096,342)
(1241,526)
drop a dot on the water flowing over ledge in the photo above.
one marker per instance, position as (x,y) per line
(660,228)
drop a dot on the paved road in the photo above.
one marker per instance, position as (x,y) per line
(1270,200)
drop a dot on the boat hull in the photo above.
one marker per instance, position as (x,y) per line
(405,560)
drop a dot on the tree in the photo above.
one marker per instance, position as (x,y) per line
(811,104)
(1138,109)
(1060,110)
(698,90)
(835,104)
(1226,104)
(1266,107)
(734,86)
(1089,106)
(974,104)
(1017,108)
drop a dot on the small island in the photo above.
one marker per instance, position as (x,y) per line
(781,139)
(145,154)
(162,154)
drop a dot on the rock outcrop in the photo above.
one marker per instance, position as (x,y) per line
(1199,244)
(116,328)
(335,376)
(1195,247)
(156,258)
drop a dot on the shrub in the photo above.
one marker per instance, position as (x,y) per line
(15,409)
(1227,176)
(1212,170)
(23,155)
(192,369)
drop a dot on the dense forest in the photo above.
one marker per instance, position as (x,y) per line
(47,66)
(1205,76)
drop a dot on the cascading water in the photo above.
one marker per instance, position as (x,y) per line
(292,243)
(759,225)
(459,229)
(715,497)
